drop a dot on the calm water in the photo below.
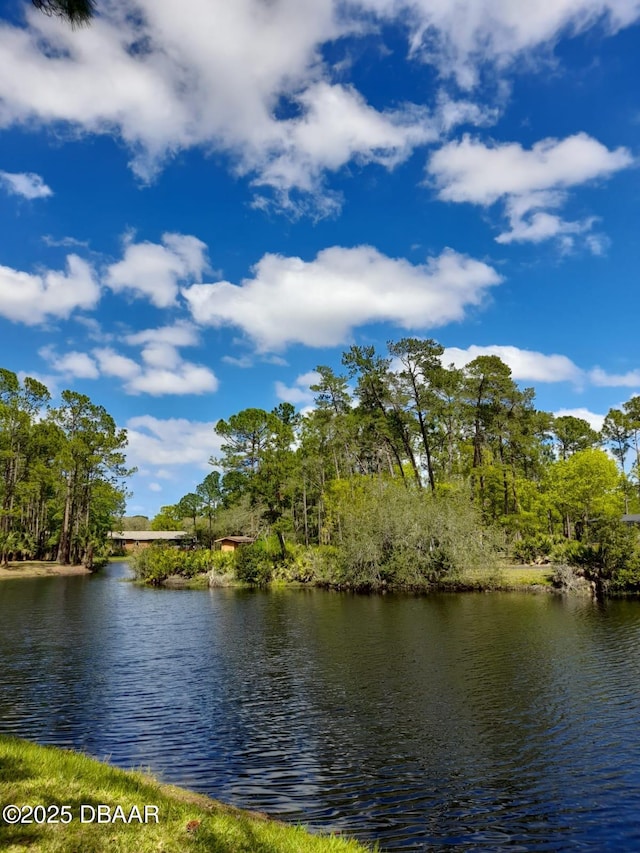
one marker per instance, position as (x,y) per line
(469,722)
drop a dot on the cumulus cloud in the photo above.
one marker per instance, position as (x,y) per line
(32,299)
(153,271)
(529,181)
(151,75)
(183,378)
(630,379)
(171,441)
(25,184)
(163,371)
(77,365)
(299,393)
(318,303)
(153,78)
(525,364)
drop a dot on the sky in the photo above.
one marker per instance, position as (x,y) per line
(200,204)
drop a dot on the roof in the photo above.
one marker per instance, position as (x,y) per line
(241,540)
(149,535)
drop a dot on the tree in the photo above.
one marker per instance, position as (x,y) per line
(92,452)
(169,518)
(616,431)
(573,434)
(585,488)
(209,491)
(258,450)
(77,12)
(189,506)
(421,369)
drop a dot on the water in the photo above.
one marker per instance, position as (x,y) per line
(468,722)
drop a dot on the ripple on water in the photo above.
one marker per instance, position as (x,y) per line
(464,722)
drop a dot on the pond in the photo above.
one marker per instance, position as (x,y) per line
(497,721)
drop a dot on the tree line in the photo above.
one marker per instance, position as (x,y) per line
(405,465)
(61,474)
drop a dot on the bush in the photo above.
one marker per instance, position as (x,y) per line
(529,549)
(253,564)
(155,564)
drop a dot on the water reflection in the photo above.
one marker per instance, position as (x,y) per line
(475,722)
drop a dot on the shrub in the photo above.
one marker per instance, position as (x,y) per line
(253,564)
(532,548)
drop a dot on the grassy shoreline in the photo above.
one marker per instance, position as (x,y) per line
(507,578)
(175,821)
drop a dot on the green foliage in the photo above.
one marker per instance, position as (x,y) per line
(390,534)
(532,548)
(155,564)
(169,518)
(610,557)
(254,564)
(61,474)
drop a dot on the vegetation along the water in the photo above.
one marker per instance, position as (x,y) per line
(405,474)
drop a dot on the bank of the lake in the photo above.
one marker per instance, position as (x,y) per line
(508,578)
(40,569)
(150,817)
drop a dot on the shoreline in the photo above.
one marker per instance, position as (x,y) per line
(142,813)
(510,578)
(40,569)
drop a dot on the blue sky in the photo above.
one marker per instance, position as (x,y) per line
(198,208)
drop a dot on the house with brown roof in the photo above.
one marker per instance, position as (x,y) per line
(232,543)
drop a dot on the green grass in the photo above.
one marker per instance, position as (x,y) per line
(509,577)
(187,822)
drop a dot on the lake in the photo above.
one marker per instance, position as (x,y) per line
(498,721)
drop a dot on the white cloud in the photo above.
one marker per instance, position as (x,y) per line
(153,78)
(299,393)
(78,365)
(529,181)
(25,184)
(32,299)
(113,364)
(592,418)
(525,364)
(461,37)
(471,171)
(180,334)
(600,377)
(155,487)
(318,303)
(171,441)
(65,242)
(162,372)
(162,474)
(184,378)
(151,75)
(153,271)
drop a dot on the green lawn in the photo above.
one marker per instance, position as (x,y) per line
(33,775)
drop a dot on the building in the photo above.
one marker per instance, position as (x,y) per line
(231,543)
(128,540)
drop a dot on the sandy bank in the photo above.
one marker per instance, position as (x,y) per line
(38,569)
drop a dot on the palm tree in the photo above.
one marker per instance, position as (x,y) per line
(77,12)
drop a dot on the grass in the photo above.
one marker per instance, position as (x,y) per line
(187,822)
(509,577)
